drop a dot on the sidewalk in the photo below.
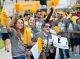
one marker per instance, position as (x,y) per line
(4,54)
(7,55)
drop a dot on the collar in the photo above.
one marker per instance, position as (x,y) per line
(45,34)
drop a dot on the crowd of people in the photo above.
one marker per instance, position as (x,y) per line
(24,30)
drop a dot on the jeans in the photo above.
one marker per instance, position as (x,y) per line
(19,57)
(66,51)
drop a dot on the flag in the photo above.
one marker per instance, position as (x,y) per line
(37,48)
(18,7)
(27,36)
(3,18)
(54,2)
(57,29)
(43,13)
(63,13)
(39,44)
(33,10)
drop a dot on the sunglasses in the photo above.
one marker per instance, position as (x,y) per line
(46,26)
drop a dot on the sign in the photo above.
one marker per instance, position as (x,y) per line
(61,4)
(29,5)
(8,6)
(61,42)
(35,52)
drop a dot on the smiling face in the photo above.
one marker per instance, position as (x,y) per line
(26,17)
(59,15)
(31,22)
(19,24)
(39,15)
(46,28)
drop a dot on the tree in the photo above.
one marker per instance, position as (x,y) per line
(0,5)
(78,1)
(43,2)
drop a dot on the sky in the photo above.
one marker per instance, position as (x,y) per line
(62,4)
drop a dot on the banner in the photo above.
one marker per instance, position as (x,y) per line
(37,48)
(61,42)
(3,18)
(29,5)
(35,52)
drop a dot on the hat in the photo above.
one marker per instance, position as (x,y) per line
(61,12)
(68,17)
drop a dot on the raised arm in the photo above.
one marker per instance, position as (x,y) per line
(8,25)
(11,23)
(13,19)
(49,15)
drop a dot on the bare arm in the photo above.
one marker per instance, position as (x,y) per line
(13,19)
(11,23)
(8,25)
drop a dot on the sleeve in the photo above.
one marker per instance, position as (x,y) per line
(49,15)
(55,23)
(35,37)
(38,34)
(75,27)
(67,23)
(12,31)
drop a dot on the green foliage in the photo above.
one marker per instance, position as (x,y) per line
(1,43)
(78,1)
(3,0)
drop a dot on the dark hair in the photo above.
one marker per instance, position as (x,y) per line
(43,24)
(11,17)
(38,11)
(26,14)
(28,47)
(20,16)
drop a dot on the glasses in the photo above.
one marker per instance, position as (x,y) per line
(46,26)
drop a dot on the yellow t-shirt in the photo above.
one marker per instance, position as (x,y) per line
(74,19)
(25,22)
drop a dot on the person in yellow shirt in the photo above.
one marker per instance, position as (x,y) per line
(26,17)
(74,19)
(29,34)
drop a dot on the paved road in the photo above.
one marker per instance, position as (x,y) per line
(7,55)
(4,54)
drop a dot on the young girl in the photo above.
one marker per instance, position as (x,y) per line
(29,34)
(16,36)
